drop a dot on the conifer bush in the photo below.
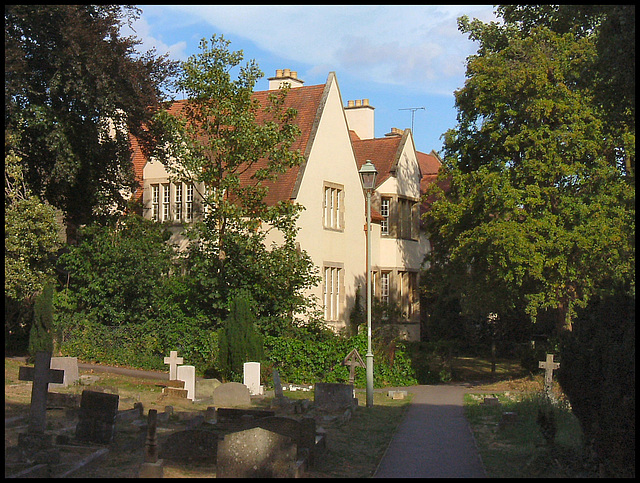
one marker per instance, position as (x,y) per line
(597,373)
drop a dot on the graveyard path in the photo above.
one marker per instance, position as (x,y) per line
(434,440)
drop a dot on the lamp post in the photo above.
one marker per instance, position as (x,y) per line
(368,175)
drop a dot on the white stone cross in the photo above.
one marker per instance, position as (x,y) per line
(548,367)
(173,360)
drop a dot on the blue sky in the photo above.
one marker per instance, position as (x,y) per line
(398,57)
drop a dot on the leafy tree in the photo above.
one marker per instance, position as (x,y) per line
(537,216)
(31,235)
(226,140)
(73,89)
(117,271)
(30,244)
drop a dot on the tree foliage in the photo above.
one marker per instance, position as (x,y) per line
(239,339)
(597,372)
(117,271)
(538,214)
(73,88)
(41,334)
(224,139)
(31,235)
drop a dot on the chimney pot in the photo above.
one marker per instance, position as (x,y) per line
(278,72)
(287,72)
(358,102)
(349,103)
(365,102)
(294,74)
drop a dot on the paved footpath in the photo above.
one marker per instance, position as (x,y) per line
(434,440)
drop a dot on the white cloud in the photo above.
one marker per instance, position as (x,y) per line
(408,45)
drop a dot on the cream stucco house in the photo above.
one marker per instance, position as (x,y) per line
(336,140)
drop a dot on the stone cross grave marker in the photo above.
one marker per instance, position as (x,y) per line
(173,360)
(353,360)
(41,375)
(548,367)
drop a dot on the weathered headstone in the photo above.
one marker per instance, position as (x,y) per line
(187,374)
(205,387)
(173,360)
(333,396)
(302,432)
(41,375)
(252,378)
(548,367)
(353,360)
(277,385)
(97,417)
(70,367)
(231,394)
(152,467)
(256,453)
(190,445)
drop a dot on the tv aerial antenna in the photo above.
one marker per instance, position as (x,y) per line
(413,113)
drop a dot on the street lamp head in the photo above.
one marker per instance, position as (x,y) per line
(368,174)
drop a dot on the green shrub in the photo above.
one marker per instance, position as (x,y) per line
(239,340)
(597,373)
(40,336)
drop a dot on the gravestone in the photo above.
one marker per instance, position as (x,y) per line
(41,375)
(173,360)
(152,467)
(256,453)
(187,374)
(97,417)
(205,387)
(548,367)
(353,360)
(70,367)
(252,378)
(231,394)
(277,385)
(190,445)
(302,432)
(333,396)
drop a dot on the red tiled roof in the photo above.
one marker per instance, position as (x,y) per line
(306,100)
(429,165)
(382,152)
